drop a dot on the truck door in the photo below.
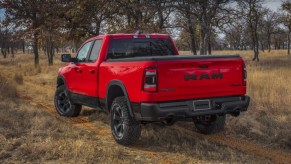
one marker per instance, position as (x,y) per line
(78,69)
(89,76)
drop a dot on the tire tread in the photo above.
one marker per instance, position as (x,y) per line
(214,127)
(75,108)
(132,131)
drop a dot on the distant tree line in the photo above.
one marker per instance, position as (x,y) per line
(197,25)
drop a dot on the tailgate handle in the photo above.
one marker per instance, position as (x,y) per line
(203,66)
(92,71)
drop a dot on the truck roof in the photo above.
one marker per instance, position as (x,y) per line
(127,36)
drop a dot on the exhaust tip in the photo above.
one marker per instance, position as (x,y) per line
(169,120)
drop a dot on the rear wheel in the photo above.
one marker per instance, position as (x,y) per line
(210,124)
(63,105)
(125,130)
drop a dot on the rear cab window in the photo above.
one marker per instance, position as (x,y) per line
(140,47)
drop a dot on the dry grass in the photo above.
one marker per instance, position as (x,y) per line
(18,78)
(269,117)
(268,120)
(7,89)
(30,134)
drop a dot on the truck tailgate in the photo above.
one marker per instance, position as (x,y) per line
(200,78)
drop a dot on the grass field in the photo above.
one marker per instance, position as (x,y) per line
(30,130)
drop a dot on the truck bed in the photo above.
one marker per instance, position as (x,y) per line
(182,77)
(174,57)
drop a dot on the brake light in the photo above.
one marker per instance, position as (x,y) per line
(244,75)
(150,80)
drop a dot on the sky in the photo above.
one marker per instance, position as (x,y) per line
(1,12)
(273,4)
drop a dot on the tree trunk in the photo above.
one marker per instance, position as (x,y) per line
(161,19)
(253,22)
(45,49)
(3,52)
(23,46)
(51,53)
(203,38)
(256,48)
(12,51)
(209,49)
(262,46)
(35,49)
(288,44)
(50,50)
(7,48)
(192,33)
(269,42)
(98,27)
(209,44)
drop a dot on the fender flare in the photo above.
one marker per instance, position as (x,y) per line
(60,77)
(121,85)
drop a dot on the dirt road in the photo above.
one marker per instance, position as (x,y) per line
(244,146)
(248,147)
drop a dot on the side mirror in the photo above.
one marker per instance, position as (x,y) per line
(68,58)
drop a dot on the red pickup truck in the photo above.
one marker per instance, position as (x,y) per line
(141,79)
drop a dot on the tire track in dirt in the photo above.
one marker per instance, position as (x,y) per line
(245,146)
(85,123)
(82,122)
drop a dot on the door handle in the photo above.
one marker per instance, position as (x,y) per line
(78,70)
(203,66)
(92,71)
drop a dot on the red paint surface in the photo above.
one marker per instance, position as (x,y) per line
(171,83)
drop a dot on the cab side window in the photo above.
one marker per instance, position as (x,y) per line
(95,51)
(83,52)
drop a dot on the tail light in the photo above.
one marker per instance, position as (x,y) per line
(150,80)
(244,75)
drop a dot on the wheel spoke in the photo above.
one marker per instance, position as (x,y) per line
(118,121)
(62,108)
(63,102)
(117,118)
(62,96)
(117,129)
(119,111)
(118,126)
(65,107)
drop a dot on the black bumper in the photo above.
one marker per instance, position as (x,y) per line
(179,110)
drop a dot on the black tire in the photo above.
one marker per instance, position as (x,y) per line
(125,130)
(214,125)
(64,106)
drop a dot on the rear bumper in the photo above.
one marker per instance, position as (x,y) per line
(179,110)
